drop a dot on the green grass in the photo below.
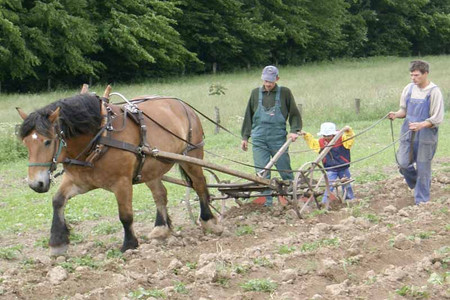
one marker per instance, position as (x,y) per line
(325,90)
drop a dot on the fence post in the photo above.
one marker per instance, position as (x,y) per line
(217,117)
(357,105)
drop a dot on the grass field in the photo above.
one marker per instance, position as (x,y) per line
(327,92)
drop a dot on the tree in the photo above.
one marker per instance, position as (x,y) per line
(394,25)
(208,27)
(286,25)
(325,20)
(17,61)
(58,32)
(138,38)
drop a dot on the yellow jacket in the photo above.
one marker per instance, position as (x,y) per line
(313,143)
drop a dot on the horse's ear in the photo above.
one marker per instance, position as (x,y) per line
(52,118)
(84,89)
(22,114)
(107,92)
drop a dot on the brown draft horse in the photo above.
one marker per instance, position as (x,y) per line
(62,131)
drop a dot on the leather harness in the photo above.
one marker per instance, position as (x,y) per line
(98,146)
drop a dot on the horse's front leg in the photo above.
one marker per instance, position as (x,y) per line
(163,226)
(123,191)
(59,233)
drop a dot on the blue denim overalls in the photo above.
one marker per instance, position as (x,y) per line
(423,144)
(268,135)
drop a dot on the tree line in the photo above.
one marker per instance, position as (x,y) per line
(64,42)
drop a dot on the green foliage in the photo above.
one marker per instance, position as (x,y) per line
(62,37)
(72,263)
(12,148)
(211,29)
(438,279)
(422,235)
(139,34)
(372,218)
(16,59)
(142,293)
(286,249)
(325,20)
(191,265)
(216,89)
(114,253)
(263,262)
(106,228)
(59,42)
(42,242)
(10,253)
(180,288)
(76,238)
(244,230)
(317,212)
(365,177)
(332,242)
(412,291)
(240,269)
(260,285)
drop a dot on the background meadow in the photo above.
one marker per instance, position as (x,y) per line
(326,91)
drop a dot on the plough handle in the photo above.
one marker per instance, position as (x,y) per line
(275,158)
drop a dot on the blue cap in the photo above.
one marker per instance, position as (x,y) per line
(270,73)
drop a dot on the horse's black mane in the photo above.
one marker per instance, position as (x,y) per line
(78,115)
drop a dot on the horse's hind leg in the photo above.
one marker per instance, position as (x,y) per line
(124,196)
(163,224)
(207,219)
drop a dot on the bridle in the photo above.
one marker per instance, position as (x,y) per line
(57,152)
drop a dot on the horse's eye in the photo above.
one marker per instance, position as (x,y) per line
(47,143)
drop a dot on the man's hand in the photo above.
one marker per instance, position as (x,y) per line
(392,115)
(401,113)
(416,126)
(244,145)
(293,136)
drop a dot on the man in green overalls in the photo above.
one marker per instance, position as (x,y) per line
(268,109)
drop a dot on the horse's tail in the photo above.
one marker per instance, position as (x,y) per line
(185,176)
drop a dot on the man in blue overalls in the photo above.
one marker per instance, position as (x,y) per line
(269,108)
(422,106)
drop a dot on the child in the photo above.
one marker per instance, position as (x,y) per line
(338,156)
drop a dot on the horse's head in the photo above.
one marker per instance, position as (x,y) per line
(41,135)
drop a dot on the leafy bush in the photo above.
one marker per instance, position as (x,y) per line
(12,148)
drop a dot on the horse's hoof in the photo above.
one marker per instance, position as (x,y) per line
(160,233)
(211,226)
(133,244)
(59,250)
